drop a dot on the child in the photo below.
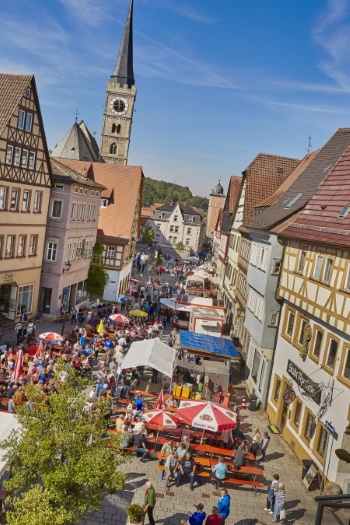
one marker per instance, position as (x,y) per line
(197,517)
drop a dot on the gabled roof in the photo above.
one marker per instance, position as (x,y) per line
(230,203)
(263,176)
(319,221)
(62,173)
(76,145)
(124,184)
(124,68)
(305,184)
(12,89)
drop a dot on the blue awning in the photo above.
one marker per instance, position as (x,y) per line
(208,344)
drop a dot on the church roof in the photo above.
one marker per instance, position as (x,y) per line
(77,144)
(12,89)
(124,67)
(218,190)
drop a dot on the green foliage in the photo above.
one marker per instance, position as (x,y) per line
(160,191)
(148,237)
(97,277)
(180,246)
(60,461)
(135,512)
(159,258)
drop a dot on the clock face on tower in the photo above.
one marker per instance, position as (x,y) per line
(119,106)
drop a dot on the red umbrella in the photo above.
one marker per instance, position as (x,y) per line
(161,419)
(51,337)
(207,415)
(160,400)
(18,370)
(136,281)
(119,318)
(40,350)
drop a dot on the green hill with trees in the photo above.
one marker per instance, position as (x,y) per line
(160,191)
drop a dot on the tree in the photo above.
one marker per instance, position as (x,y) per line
(59,457)
(159,257)
(160,191)
(148,237)
(97,278)
(180,246)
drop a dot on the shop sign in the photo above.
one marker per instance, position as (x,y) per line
(9,277)
(308,387)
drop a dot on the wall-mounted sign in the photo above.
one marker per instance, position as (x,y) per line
(289,396)
(8,277)
(307,387)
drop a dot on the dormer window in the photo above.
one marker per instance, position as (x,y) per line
(175,218)
(344,211)
(293,200)
(191,219)
(104,203)
(160,216)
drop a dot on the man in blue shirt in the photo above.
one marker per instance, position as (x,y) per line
(219,472)
(224,505)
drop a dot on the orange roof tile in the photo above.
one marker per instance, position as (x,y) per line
(124,184)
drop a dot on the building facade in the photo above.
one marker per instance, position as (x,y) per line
(120,101)
(25,184)
(216,203)
(178,223)
(70,237)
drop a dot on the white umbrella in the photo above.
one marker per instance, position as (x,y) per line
(51,337)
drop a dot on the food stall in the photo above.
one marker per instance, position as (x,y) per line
(208,321)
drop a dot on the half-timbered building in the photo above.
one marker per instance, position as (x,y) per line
(310,388)
(25,183)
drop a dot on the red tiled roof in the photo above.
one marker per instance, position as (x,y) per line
(124,185)
(12,89)
(263,178)
(319,221)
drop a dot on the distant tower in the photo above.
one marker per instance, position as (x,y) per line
(120,101)
(216,202)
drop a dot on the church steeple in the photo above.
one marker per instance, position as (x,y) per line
(124,68)
(120,101)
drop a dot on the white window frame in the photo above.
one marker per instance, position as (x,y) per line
(24,158)
(3,198)
(52,206)
(38,197)
(104,203)
(10,243)
(28,125)
(21,119)
(318,267)
(26,202)
(17,157)
(21,245)
(328,267)
(31,160)
(15,192)
(274,318)
(9,154)
(33,245)
(21,291)
(51,250)
(276,266)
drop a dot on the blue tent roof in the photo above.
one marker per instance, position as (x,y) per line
(209,344)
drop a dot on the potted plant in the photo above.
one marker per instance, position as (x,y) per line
(135,513)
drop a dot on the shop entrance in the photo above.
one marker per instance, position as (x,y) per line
(8,293)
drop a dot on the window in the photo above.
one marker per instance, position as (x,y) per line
(293,200)
(31,160)
(24,158)
(327,271)
(3,194)
(319,262)
(332,353)
(17,157)
(191,220)
(309,426)
(10,244)
(37,202)
(297,413)
(94,214)
(21,245)
(25,200)
(82,212)
(158,226)
(21,119)
(344,211)
(346,367)
(76,189)
(274,315)
(1,244)
(301,262)
(28,122)
(316,349)
(28,92)
(171,228)
(73,211)
(277,389)
(262,258)
(56,209)
(176,229)
(256,365)
(104,203)
(279,170)
(59,187)
(81,292)
(170,239)
(175,218)
(290,323)
(14,200)
(113,149)
(110,252)
(347,281)
(33,244)
(25,298)
(322,441)
(187,242)
(9,154)
(276,266)
(51,251)
(189,230)
(301,331)
(114,127)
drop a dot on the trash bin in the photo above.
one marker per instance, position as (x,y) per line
(306,465)
(253,402)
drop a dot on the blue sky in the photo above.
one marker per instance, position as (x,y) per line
(218,80)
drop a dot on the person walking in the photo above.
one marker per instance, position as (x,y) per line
(149,502)
(264,445)
(280,501)
(255,442)
(224,505)
(271,494)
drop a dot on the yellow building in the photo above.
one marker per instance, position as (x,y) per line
(25,182)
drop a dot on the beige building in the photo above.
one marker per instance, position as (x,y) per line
(25,183)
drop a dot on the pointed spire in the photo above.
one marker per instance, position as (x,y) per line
(124,67)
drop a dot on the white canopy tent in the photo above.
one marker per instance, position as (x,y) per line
(153,353)
(8,422)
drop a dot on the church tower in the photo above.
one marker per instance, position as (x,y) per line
(120,101)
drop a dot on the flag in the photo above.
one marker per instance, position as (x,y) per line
(101,328)
(18,370)
(160,400)
(40,349)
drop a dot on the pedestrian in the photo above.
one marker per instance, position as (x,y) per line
(280,501)
(224,505)
(264,445)
(214,518)
(187,466)
(255,442)
(271,494)
(171,464)
(149,502)
(219,472)
(197,517)
(73,315)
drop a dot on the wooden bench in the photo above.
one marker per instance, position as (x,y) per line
(200,475)
(247,482)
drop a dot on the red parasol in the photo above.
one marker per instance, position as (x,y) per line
(160,400)
(207,415)
(51,337)
(119,318)
(18,370)
(40,350)
(161,419)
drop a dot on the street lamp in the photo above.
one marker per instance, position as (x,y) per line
(68,264)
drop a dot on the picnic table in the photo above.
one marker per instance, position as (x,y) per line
(203,462)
